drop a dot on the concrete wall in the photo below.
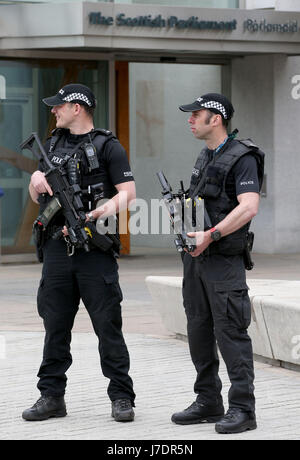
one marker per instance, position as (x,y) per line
(257,4)
(268,111)
(252,97)
(287,154)
(287,5)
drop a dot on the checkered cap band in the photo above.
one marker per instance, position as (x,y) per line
(77,96)
(213,105)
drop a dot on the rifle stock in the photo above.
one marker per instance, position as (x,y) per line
(28,144)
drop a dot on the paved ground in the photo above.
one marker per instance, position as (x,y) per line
(160,364)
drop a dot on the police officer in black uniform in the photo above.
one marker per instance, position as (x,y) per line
(71,274)
(228,174)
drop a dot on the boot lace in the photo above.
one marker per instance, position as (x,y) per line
(40,402)
(194,404)
(231,413)
(124,404)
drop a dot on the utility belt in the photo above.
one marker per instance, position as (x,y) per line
(105,242)
(44,229)
(215,248)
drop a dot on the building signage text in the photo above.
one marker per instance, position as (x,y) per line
(158,21)
(262,26)
(193,22)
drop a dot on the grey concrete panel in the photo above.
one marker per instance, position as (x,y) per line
(166,292)
(282,316)
(275,327)
(258,330)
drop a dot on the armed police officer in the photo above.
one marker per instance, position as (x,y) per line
(228,174)
(71,274)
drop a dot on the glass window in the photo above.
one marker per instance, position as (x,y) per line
(160,136)
(22,87)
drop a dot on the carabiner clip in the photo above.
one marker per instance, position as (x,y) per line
(70,250)
(70,247)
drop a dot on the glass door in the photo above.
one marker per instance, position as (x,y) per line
(23,85)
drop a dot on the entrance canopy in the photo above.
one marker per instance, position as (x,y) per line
(131,30)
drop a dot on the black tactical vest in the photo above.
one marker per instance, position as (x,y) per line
(209,182)
(60,156)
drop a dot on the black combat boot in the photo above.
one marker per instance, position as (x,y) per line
(46,407)
(122,410)
(198,413)
(236,421)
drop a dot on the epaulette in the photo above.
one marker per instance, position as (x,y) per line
(106,132)
(55,136)
(248,143)
(57,131)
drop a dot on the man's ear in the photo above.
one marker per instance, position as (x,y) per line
(78,108)
(217,120)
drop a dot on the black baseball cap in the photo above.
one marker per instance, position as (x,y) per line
(214,102)
(74,92)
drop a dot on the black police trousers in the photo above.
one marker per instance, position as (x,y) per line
(218,312)
(93,277)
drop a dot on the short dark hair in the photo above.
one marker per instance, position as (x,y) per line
(88,110)
(225,123)
(209,116)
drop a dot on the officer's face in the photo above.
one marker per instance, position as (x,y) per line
(201,123)
(64,115)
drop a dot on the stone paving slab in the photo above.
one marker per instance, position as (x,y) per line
(163,378)
(161,367)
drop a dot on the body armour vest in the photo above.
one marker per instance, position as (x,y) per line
(60,156)
(209,183)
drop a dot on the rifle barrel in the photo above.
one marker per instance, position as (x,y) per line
(163,181)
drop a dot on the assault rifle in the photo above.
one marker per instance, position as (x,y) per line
(177,203)
(184,213)
(65,196)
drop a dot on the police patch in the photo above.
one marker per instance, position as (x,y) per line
(56,160)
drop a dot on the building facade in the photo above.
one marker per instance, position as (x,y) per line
(143,59)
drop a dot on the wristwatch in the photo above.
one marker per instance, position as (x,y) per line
(90,216)
(215,234)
